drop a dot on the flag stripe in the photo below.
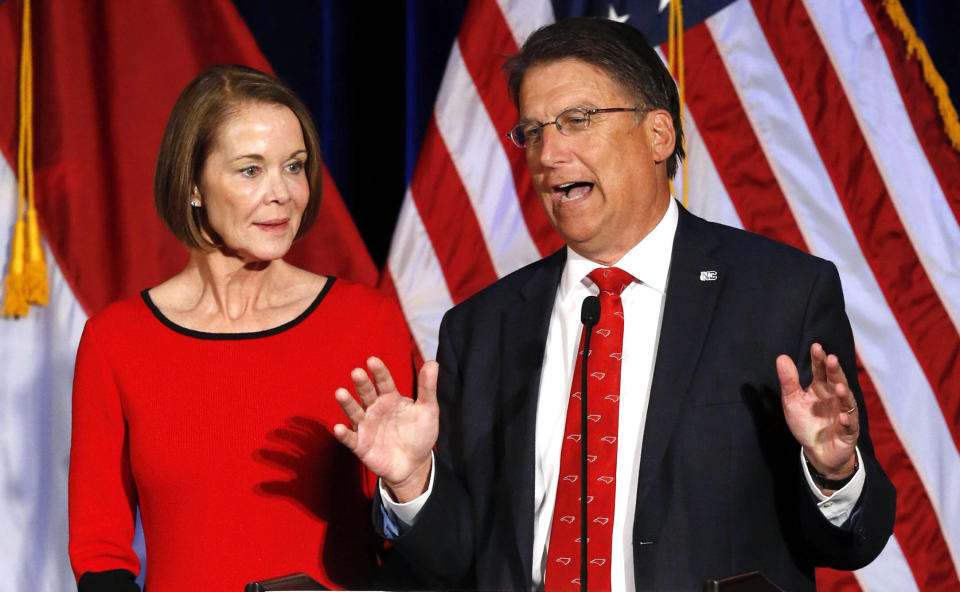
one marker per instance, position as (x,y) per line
(864,71)
(732,143)
(862,67)
(730,138)
(923,112)
(885,572)
(418,277)
(710,200)
(917,531)
(834,580)
(483,168)
(525,16)
(484,45)
(387,286)
(780,126)
(861,190)
(462,253)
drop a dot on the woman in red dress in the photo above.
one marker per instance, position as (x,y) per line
(206,401)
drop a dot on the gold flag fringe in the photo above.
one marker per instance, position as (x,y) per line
(35,269)
(26,282)
(917,49)
(675,61)
(14,285)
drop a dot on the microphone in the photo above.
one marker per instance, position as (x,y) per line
(589,316)
(590,311)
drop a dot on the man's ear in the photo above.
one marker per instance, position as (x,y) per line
(663,138)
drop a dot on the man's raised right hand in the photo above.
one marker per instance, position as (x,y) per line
(390,433)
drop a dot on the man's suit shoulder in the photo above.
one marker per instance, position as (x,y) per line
(542,274)
(748,248)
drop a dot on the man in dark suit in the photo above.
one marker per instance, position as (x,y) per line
(725,463)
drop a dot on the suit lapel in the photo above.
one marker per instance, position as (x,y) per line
(524,338)
(690,302)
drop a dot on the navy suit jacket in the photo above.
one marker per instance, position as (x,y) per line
(720,490)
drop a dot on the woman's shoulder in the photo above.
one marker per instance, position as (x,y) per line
(122,321)
(121,313)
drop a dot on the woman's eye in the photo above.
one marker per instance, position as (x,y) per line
(250,171)
(295,167)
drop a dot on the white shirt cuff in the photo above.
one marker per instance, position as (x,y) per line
(837,507)
(406,512)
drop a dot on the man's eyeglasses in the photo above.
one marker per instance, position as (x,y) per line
(569,123)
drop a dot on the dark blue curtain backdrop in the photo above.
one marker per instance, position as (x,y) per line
(370,73)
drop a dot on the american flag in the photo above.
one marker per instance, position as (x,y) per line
(806,122)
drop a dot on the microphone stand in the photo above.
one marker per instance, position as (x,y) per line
(589,315)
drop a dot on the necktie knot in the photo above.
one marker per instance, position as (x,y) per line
(611,279)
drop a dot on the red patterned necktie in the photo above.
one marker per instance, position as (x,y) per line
(603,413)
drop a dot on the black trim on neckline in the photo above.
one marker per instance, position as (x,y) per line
(237,336)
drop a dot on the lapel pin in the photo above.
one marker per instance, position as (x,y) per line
(708,276)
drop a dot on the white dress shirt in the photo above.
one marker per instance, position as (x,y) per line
(649,263)
(643,302)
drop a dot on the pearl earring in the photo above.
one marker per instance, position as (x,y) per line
(195,202)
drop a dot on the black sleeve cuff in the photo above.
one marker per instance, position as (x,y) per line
(114,580)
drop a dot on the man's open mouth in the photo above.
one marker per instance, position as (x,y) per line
(573,191)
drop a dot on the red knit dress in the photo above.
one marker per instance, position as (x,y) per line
(226,443)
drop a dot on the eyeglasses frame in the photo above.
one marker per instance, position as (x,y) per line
(588,113)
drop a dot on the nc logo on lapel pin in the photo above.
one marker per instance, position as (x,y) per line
(708,276)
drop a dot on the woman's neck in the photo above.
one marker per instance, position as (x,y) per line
(232,289)
(219,293)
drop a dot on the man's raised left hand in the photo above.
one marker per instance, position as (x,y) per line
(824,417)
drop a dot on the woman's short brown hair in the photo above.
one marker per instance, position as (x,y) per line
(203,106)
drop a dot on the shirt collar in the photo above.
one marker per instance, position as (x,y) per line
(648,261)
